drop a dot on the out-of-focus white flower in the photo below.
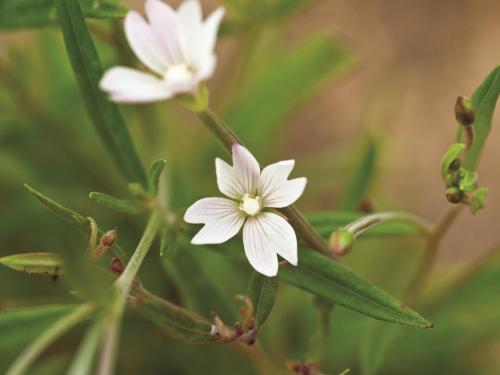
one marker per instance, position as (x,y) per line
(265,234)
(177,46)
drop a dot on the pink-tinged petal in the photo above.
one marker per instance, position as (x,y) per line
(128,85)
(209,209)
(190,11)
(222,219)
(189,23)
(210,29)
(144,43)
(259,252)
(163,20)
(246,168)
(275,188)
(280,236)
(240,179)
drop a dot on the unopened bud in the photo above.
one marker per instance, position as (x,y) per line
(454,195)
(341,241)
(117,266)
(108,239)
(465,112)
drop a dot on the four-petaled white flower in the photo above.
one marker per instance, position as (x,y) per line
(265,234)
(177,46)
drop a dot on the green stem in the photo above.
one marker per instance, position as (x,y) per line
(367,222)
(33,350)
(227,138)
(122,289)
(431,252)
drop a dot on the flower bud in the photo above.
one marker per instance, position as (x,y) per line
(454,195)
(465,112)
(341,241)
(108,239)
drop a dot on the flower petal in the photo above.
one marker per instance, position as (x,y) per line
(275,188)
(221,216)
(259,252)
(144,43)
(189,23)
(246,168)
(210,28)
(128,85)
(279,235)
(242,177)
(209,209)
(163,20)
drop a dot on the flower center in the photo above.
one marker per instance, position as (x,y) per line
(179,73)
(251,205)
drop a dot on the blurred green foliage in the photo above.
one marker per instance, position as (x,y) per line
(48,140)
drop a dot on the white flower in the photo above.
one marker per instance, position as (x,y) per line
(265,234)
(177,46)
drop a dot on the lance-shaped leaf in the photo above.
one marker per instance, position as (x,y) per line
(262,291)
(38,13)
(105,115)
(121,205)
(177,322)
(48,264)
(484,99)
(22,325)
(323,277)
(73,218)
(155,174)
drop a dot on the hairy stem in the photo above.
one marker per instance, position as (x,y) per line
(123,286)
(227,138)
(61,326)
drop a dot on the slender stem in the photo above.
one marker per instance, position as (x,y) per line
(367,222)
(227,138)
(122,289)
(33,350)
(431,251)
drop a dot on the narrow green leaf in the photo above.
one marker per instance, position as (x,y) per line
(34,263)
(176,321)
(105,115)
(168,243)
(484,100)
(286,81)
(328,222)
(83,362)
(120,205)
(22,325)
(37,13)
(323,277)
(453,152)
(360,178)
(262,291)
(155,174)
(73,218)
